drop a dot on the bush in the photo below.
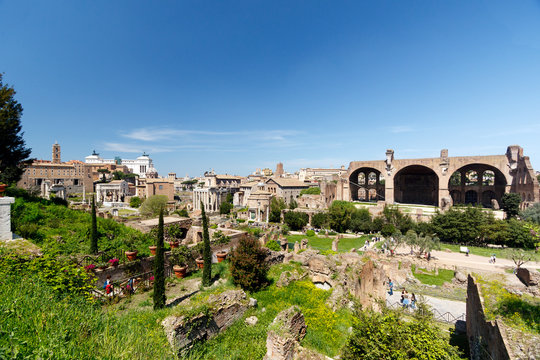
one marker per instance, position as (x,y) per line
(182,212)
(135,202)
(153,204)
(386,336)
(247,265)
(510,204)
(276,205)
(273,245)
(320,220)
(388,230)
(225,208)
(296,220)
(310,233)
(532,213)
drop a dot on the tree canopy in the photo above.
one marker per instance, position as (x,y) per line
(13,153)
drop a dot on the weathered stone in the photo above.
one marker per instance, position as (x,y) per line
(296,246)
(252,302)
(227,307)
(288,277)
(304,244)
(461,277)
(284,243)
(252,320)
(287,329)
(273,257)
(335,244)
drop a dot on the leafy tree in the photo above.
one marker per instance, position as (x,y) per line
(207,254)
(225,208)
(153,205)
(247,264)
(510,204)
(293,204)
(460,226)
(387,336)
(118,175)
(401,221)
(421,244)
(93,229)
(135,202)
(340,213)
(520,257)
(532,213)
(159,268)
(361,221)
(519,235)
(388,230)
(13,153)
(276,206)
(296,220)
(320,220)
(393,242)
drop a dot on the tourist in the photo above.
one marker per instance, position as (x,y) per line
(467,252)
(429,256)
(391,287)
(108,286)
(413,301)
(494,258)
(405,297)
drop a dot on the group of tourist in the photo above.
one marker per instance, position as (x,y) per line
(406,300)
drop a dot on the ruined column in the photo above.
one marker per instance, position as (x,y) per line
(5,218)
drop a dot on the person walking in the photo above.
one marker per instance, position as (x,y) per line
(413,301)
(391,287)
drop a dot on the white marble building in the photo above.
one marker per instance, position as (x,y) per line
(139,166)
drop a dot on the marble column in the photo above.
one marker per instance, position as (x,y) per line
(5,218)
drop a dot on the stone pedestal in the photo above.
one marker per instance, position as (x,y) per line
(5,218)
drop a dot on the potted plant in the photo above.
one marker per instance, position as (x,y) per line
(174,244)
(114,262)
(178,259)
(221,255)
(200,262)
(152,249)
(174,233)
(132,253)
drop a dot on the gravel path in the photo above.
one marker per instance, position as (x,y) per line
(456,308)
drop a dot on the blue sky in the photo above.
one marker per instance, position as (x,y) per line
(240,85)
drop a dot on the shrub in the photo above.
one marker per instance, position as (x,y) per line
(510,204)
(296,220)
(388,230)
(159,268)
(273,245)
(310,233)
(320,220)
(182,212)
(247,264)
(153,205)
(135,202)
(532,213)
(386,336)
(276,205)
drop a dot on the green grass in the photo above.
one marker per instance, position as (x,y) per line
(324,243)
(431,278)
(327,330)
(487,252)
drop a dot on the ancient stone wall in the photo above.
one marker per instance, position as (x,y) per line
(486,338)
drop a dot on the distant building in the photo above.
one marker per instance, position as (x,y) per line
(285,188)
(319,174)
(140,166)
(214,190)
(279,170)
(41,175)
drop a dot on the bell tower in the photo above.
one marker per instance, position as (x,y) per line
(56,158)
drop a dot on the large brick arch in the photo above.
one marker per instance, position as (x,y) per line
(416,184)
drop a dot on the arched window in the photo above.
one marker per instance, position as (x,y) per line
(361,179)
(455,179)
(362,194)
(372,178)
(372,195)
(488,178)
(471,178)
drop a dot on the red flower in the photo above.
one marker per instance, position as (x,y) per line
(114,262)
(90,267)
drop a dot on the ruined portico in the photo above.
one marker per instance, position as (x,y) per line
(438,181)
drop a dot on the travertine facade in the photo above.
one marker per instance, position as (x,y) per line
(442,181)
(287,189)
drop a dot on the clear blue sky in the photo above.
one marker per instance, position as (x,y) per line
(240,85)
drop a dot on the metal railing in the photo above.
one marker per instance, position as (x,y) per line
(120,287)
(446,317)
(102,257)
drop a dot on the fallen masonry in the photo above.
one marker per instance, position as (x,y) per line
(218,313)
(284,334)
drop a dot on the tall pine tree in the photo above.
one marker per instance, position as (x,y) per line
(159,268)
(93,229)
(207,254)
(13,153)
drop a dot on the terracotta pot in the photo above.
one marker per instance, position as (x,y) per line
(2,189)
(173,244)
(153,249)
(200,263)
(131,255)
(221,256)
(180,271)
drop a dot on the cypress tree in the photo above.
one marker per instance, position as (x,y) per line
(159,268)
(93,230)
(207,254)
